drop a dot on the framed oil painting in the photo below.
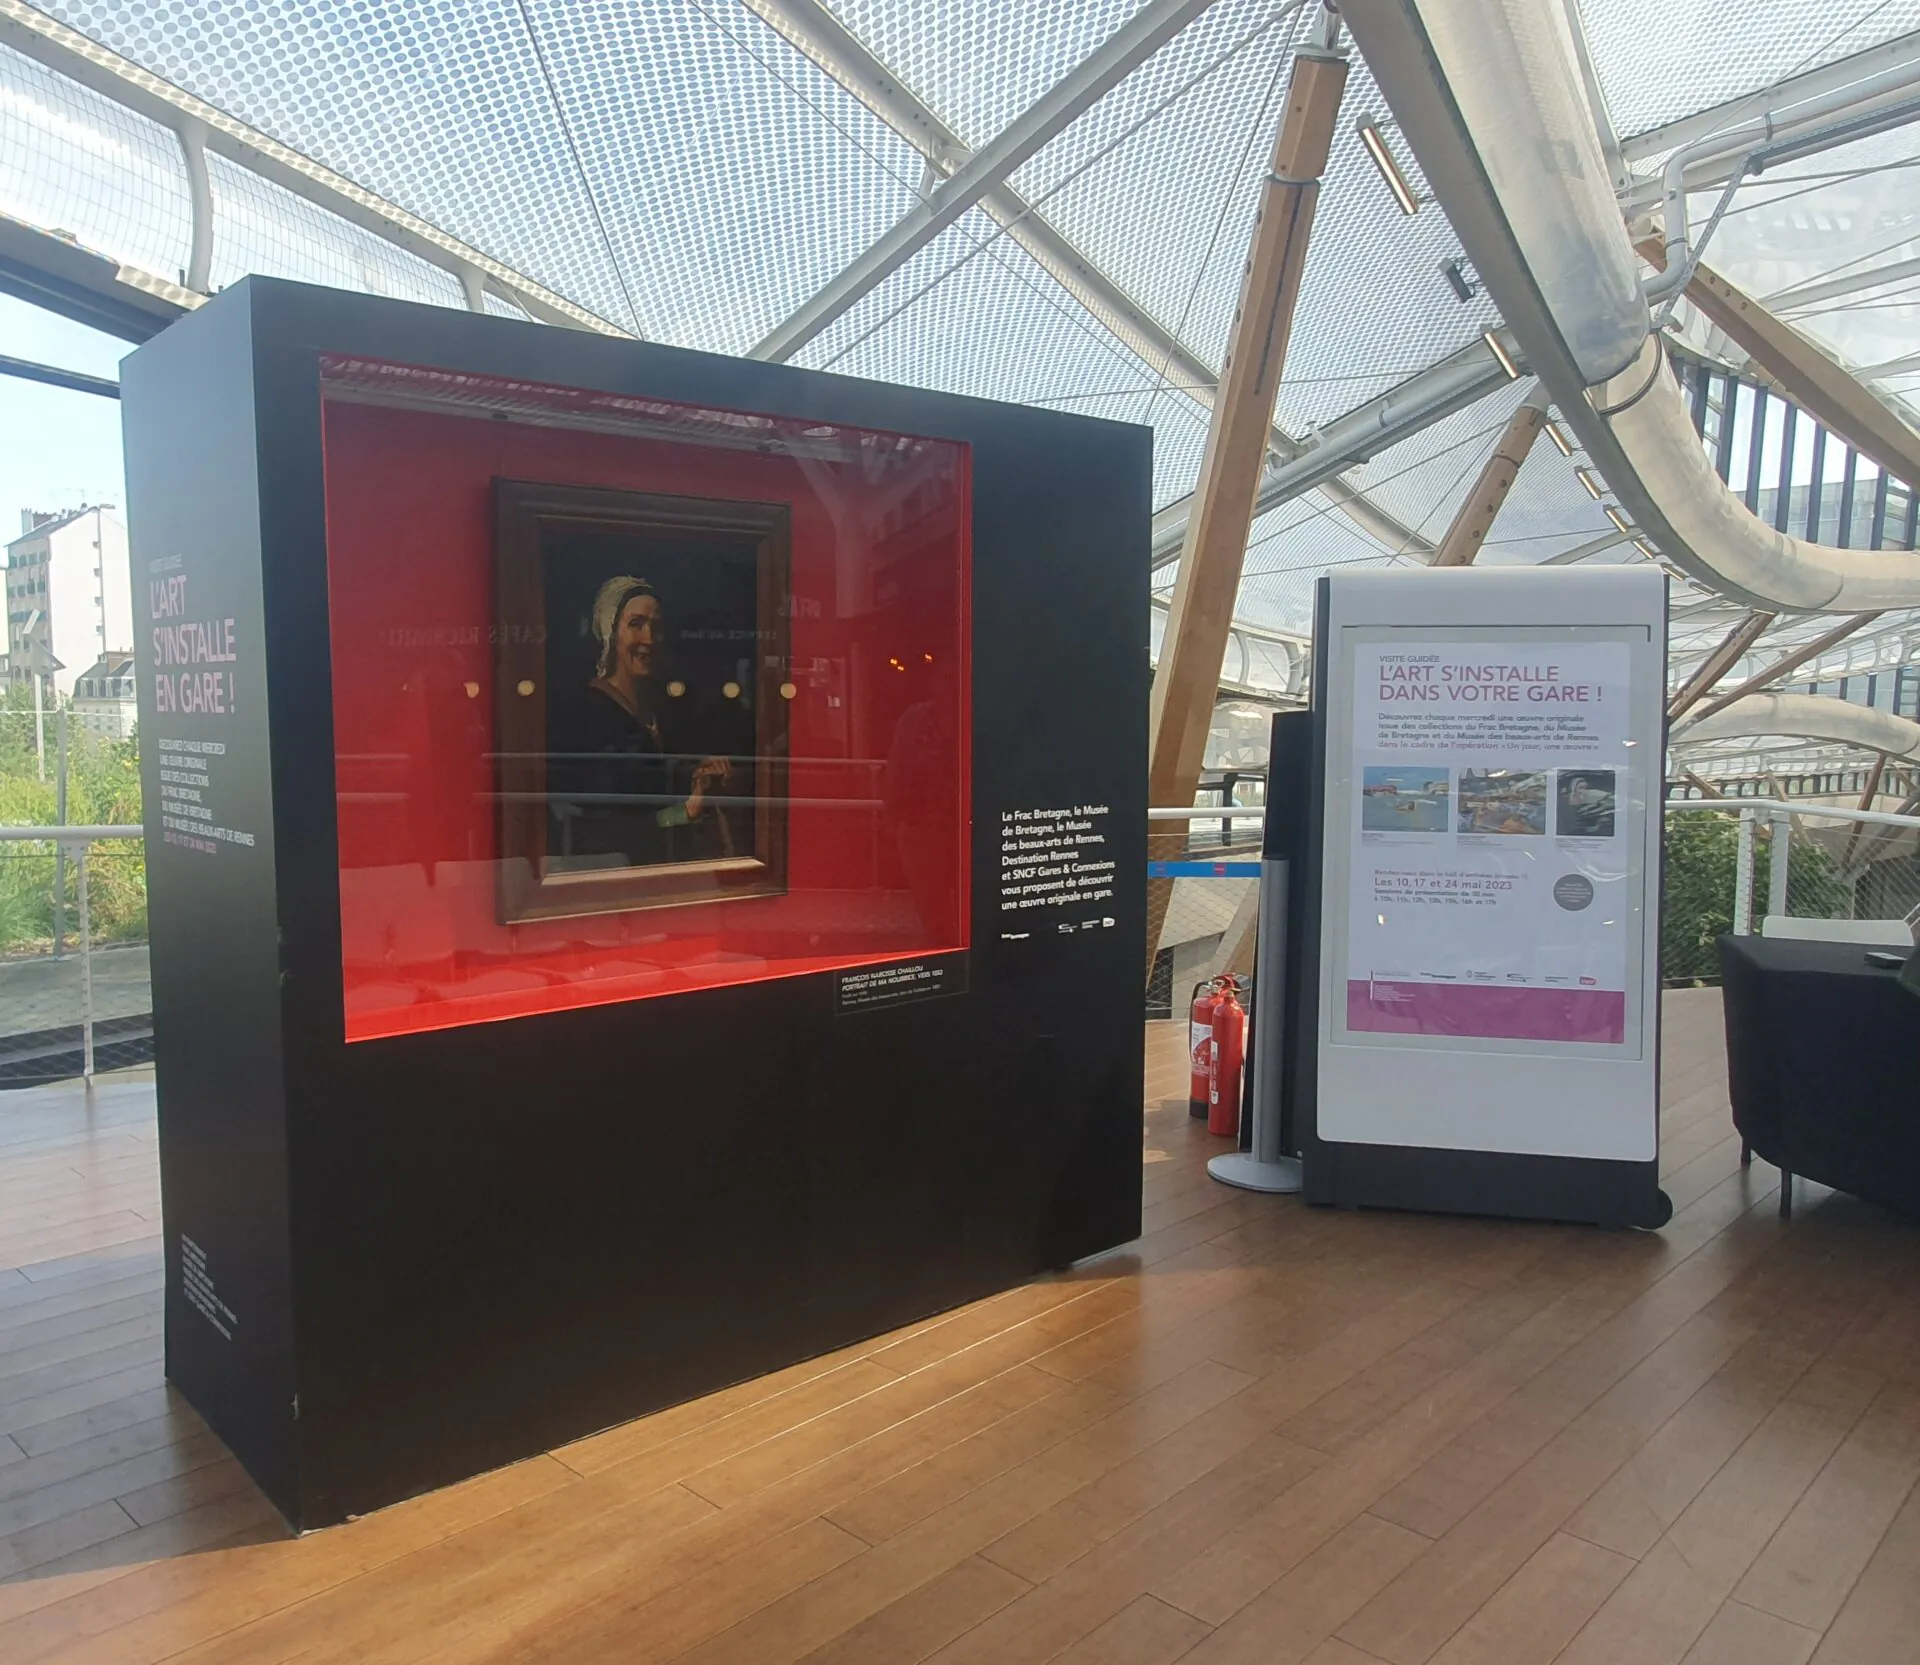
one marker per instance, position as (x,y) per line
(642,699)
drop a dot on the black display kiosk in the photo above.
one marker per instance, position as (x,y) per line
(644,859)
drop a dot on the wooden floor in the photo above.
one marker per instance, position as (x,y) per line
(1260,1434)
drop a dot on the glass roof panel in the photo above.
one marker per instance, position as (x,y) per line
(1809,238)
(442,109)
(1375,306)
(1159,181)
(259,227)
(76,162)
(1289,548)
(1173,161)
(923,327)
(1658,61)
(1547,513)
(978,63)
(1422,480)
(679,168)
(734,178)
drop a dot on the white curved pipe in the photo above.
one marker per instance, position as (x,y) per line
(1713,534)
(1869,105)
(1489,94)
(1806,717)
(1498,54)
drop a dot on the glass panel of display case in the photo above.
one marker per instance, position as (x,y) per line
(633,697)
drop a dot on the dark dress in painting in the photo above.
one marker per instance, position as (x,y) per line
(615,798)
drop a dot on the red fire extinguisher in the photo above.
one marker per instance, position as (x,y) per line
(1229,1049)
(1206,996)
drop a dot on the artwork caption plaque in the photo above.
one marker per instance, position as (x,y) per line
(642,688)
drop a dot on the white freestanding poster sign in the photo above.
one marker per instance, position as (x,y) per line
(1491,811)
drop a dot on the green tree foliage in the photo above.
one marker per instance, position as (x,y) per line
(1703,854)
(103,789)
(1697,904)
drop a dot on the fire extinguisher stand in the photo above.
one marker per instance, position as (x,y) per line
(1266,1167)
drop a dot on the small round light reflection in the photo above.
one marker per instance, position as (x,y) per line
(788,690)
(730,690)
(675,689)
(473,690)
(523,689)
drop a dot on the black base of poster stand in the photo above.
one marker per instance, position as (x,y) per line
(1486,1183)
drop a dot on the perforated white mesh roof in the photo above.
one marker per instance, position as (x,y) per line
(681,169)
(979,63)
(1658,60)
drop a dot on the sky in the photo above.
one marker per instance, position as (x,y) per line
(58,449)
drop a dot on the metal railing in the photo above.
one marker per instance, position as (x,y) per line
(1730,865)
(1849,870)
(75,844)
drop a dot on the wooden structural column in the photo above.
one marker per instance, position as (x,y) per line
(1476,515)
(1791,662)
(1201,615)
(1809,376)
(1867,795)
(1716,664)
(1803,372)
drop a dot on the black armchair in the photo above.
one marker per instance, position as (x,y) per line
(1823,1067)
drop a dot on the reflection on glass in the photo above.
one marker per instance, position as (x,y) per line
(632,697)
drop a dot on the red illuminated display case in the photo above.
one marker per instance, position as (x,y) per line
(657,896)
(837,672)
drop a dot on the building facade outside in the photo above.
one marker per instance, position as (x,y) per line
(103,699)
(69,595)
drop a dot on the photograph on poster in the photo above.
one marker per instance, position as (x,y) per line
(1584,803)
(641,680)
(1503,801)
(1398,799)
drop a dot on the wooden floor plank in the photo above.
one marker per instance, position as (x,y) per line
(1333,1651)
(1648,1493)
(1812,1562)
(160,1608)
(1486,1393)
(1531,1617)
(1261,1433)
(1144,1632)
(1302,1609)
(1880,1618)
(1740,1635)
(1409,1620)
(1097,1585)
(925,1620)
(49,1540)
(1663,1608)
